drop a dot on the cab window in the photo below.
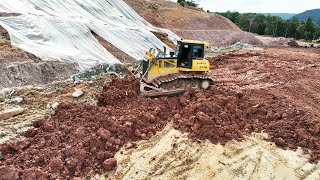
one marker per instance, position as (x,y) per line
(198,51)
(169,64)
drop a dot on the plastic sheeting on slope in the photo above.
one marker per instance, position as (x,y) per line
(53,39)
(113,20)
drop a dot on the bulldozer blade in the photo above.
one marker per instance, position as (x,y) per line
(163,93)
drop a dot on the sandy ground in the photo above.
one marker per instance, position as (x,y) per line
(171,155)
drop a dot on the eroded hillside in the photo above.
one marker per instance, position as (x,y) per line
(192,23)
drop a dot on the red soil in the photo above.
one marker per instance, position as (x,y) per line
(192,23)
(81,140)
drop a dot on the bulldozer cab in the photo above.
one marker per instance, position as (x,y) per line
(187,51)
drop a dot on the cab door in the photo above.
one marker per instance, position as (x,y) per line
(185,56)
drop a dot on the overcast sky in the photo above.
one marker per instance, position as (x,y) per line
(260,6)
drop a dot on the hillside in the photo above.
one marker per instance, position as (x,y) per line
(314,14)
(191,23)
(282,15)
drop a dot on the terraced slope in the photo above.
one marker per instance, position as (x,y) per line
(192,23)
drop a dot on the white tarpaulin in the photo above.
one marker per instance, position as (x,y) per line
(60,29)
(52,39)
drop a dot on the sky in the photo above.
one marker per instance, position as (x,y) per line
(260,6)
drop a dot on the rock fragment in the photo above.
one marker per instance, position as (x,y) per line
(6,114)
(293,43)
(55,105)
(18,100)
(78,93)
(110,164)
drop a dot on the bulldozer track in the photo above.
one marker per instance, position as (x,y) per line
(193,77)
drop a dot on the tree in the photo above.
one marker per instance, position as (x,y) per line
(309,29)
(274,26)
(300,31)
(188,3)
(292,27)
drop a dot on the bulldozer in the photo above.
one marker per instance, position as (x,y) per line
(183,69)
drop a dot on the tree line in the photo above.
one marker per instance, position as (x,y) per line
(188,3)
(275,26)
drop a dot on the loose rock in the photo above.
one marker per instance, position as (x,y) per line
(110,164)
(18,100)
(55,105)
(293,43)
(6,114)
(77,93)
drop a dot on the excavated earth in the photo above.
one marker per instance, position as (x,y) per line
(192,23)
(270,90)
(20,68)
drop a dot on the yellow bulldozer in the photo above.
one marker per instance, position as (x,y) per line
(183,69)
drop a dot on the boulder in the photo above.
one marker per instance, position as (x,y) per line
(293,43)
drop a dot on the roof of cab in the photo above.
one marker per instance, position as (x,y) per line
(195,42)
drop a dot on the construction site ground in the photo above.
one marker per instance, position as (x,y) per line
(259,120)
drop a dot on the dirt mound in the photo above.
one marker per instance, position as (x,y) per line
(192,23)
(221,115)
(34,73)
(81,140)
(19,68)
(84,138)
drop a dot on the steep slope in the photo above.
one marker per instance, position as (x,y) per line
(191,23)
(20,68)
(314,14)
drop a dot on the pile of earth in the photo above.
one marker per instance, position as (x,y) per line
(192,23)
(81,140)
(19,68)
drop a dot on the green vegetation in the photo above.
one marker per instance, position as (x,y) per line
(314,14)
(274,25)
(188,3)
